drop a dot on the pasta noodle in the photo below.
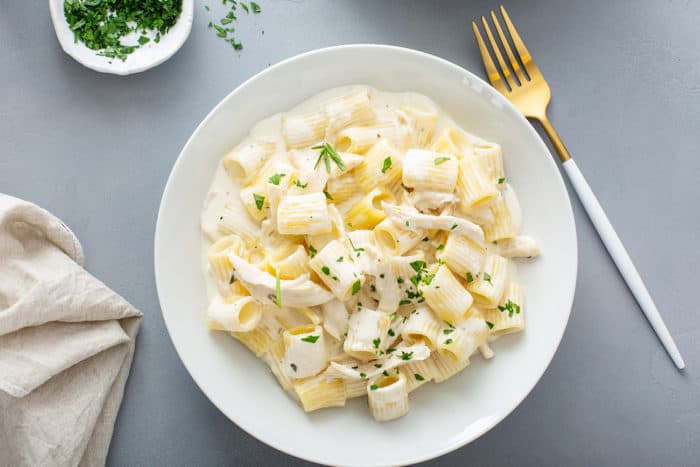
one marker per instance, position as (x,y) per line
(363,244)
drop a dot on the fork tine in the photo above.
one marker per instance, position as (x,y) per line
(499,57)
(489,66)
(525,56)
(506,46)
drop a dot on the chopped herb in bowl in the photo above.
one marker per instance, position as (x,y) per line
(102,25)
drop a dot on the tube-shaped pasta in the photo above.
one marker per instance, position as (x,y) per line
(414,379)
(221,266)
(453,141)
(352,108)
(262,337)
(304,130)
(422,118)
(337,232)
(291,261)
(502,226)
(381,166)
(303,215)
(462,255)
(458,344)
(319,392)
(275,360)
(430,170)
(358,139)
(446,296)
(508,317)
(388,397)
(245,161)
(422,326)
(491,157)
(368,212)
(355,388)
(474,186)
(240,314)
(394,239)
(305,351)
(487,288)
(342,188)
(338,271)
(366,330)
(255,200)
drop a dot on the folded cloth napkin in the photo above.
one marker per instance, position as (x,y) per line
(66,345)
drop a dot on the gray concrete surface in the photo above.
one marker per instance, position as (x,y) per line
(96,150)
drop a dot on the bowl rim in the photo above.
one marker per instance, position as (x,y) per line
(69,47)
(456,443)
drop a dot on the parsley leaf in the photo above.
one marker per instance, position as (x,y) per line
(310,339)
(275,179)
(440,160)
(387,165)
(259,201)
(356,286)
(419,377)
(301,185)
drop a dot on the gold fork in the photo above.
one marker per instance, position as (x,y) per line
(525,87)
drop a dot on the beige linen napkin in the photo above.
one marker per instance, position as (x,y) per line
(66,345)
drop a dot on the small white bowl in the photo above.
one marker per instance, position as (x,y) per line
(443,416)
(143,58)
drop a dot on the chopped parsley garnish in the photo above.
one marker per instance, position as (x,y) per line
(487,278)
(406,355)
(418,266)
(310,339)
(328,196)
(259,201)
(404,302)
(385,373)
(501,180)
(312,250)
(426,239)
(390,350)
(392,317)
(339,260)
(101,25)
(470,278)
(355,367)
(328,154)
(301,185)
(275,179)
(326,270)
(255,7)
(387,165)
(381,276)
(376,342)
(511,307)
(377,365)
(454,226)
(373,387)
(294,367)
(428,279)
(356,286)
(391,332)
(245,7)
(440,247)
(448,331)
(489,324)
(373,287)
(278,290)
(362,375)
(418,377)
(400,280)
(440,160)
(233,278)
(448,341)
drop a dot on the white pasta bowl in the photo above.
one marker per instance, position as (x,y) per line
(443,416)
(143,58)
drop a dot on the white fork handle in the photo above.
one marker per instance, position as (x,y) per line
(622,259)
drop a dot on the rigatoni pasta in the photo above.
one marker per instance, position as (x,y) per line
(362,245)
